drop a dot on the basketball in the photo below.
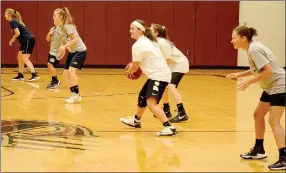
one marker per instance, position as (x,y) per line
(136,74)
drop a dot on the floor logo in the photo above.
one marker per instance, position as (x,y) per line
(46,135)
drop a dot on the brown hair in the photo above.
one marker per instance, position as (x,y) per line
(162,32)
(15,15)
(245,31)
(148,32)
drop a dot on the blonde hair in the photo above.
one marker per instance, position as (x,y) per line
(66,16)
(15,15)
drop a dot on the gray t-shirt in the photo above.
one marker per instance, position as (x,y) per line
(55,42)
(68,30)
(259,56)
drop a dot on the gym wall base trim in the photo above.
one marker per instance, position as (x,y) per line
(122,66)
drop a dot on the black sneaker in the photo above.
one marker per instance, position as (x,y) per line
(254,153)
(182,116)
(279,165)
(19,77)
(54,84)
(34,77)
(167,112)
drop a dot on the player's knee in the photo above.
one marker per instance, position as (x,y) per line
(171,86)
(50,65)
(65,73)
(142,102)
(25,59)
(151,101)
(71,71)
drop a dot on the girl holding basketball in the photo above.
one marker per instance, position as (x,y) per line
(147,56)
(178,64)
(27,41)
(76,48)
(265,69)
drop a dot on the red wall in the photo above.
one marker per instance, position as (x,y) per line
(201,30)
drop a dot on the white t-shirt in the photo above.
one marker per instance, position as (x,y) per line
(180,61)
(152,62)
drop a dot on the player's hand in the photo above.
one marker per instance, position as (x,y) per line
(128,72)
(11,42)
(52,32)
(232,76)
(60,56)
(62,50)
(245,84)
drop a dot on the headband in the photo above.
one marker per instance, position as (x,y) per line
(138,25)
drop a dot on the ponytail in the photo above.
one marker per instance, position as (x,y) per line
(252,32)
(15,15)
(146,31)
(19,18)
(162,32)
(149,35)
(68,19)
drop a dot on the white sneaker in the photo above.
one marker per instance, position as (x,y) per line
(131,121)
(168,131)
(74,98)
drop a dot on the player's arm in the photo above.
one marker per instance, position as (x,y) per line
(61,51)
(166,50)
(267,71)
(245,74)
(73,42)
(261,63)
(134,67)
(48,37)
(239,74)
(71,32)
(14,27)
(16,33)
(137,57)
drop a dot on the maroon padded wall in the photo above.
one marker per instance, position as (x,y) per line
(201,30)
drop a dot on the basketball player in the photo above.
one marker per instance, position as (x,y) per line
(178,64)
(265,69)
(27,41)
(147,56)
(77,51)
(55,42)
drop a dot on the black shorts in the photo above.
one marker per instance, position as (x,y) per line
(176,78)
(53,60)
(28,46)
(153,88)
(75,60)
(274,99)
